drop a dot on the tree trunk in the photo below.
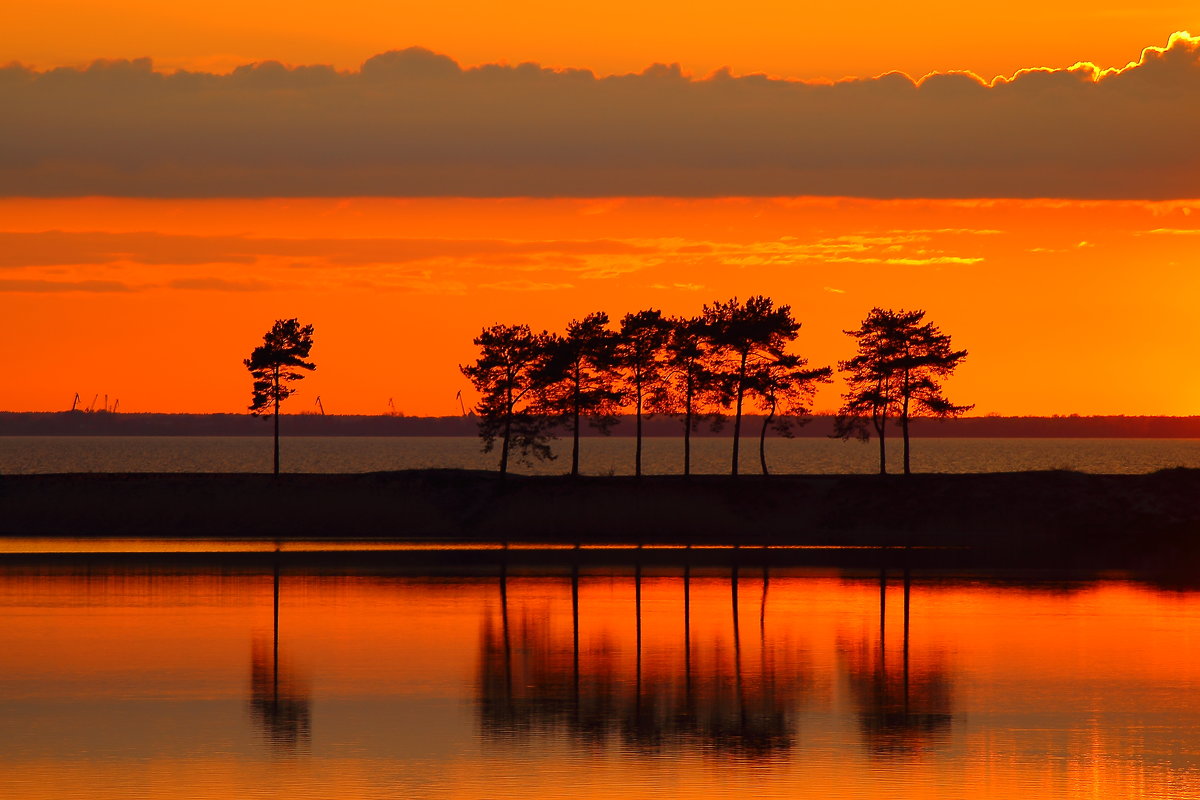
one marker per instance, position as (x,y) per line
(276,415)
(575,446)
(879,421)
(906,392)
(762,440)
(687,430)
(637,456)
(883,448)
(575,430)
(737,414)
(504,445)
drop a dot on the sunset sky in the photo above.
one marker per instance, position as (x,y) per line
(174,177)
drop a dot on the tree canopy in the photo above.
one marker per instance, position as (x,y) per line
(689,390)
(896,373)
(275,364)
(784,388)
(507,376)
(641,357)
(734,355)
(745,337)
(578,378)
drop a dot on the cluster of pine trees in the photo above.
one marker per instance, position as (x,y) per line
(703,370)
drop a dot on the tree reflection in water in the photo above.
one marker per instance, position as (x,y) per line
(279,702)
(903,710)
(729,697)
(535,680)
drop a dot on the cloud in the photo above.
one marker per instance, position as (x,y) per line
(40,286)
(901,248)
(949,231)
(414,123)
(28,249)
(219,285)
(45,287)
(224,263)
(687,287)
(909,261)
(525,286)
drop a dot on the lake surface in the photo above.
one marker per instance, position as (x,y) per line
(165,680)
(599,455)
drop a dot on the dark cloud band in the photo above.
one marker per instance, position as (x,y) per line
(413,123)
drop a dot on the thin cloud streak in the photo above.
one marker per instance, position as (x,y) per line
(591,259)
(22,249)
(51,287)
(219,285)
(414,123)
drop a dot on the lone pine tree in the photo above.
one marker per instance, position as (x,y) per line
(276,363)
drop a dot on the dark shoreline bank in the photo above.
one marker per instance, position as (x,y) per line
(1024,519)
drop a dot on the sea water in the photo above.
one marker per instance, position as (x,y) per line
(253,680)
(599,455)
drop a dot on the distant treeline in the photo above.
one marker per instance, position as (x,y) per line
(79,423)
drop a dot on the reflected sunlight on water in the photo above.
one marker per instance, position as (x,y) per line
(157,682)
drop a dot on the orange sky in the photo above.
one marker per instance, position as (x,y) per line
(1065,307)
(1072,306)
(779,37)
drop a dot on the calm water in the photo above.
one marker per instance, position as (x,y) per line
(599,456)
(157,682)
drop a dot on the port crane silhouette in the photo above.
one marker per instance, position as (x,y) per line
(77,400)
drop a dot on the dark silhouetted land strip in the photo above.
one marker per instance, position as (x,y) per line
(1020,519)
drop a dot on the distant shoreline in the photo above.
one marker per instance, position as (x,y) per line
(79,423)
(1023,519)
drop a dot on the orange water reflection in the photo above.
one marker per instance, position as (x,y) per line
(131,681)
